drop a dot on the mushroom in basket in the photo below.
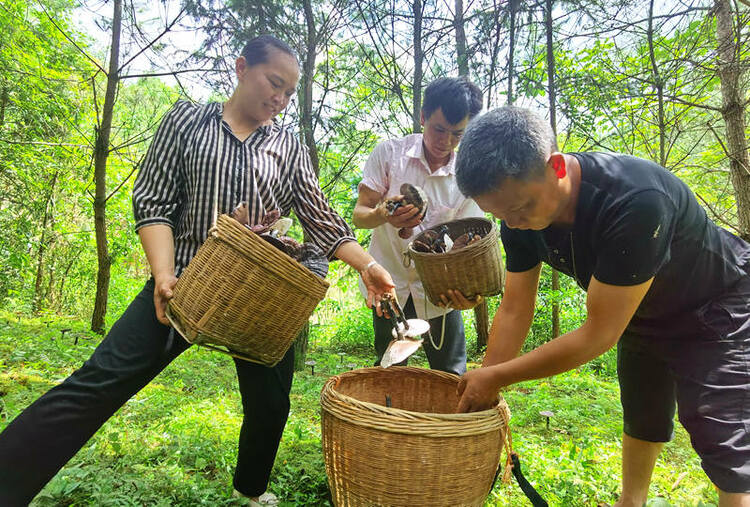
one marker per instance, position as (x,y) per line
(437,240)
(272,228)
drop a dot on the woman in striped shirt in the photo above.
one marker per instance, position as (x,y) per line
(258,162)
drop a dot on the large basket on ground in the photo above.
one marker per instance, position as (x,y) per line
(242,296)
(476,269)
(417,452)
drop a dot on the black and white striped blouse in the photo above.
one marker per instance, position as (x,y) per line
(270,170)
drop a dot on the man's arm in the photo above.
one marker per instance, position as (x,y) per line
(513,317)
(610,308)
(158,243)
(368,214)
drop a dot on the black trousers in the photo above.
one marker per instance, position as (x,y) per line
(45,436)
(701,365)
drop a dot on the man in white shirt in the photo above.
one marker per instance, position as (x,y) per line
(427,161)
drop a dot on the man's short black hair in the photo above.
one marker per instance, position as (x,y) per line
(456,96)
(507,142)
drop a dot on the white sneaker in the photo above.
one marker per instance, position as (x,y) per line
(266,499)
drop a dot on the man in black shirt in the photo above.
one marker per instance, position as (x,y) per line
(664,283)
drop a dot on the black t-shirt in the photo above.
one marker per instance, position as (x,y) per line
(635,220)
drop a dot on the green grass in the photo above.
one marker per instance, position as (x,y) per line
(174,443)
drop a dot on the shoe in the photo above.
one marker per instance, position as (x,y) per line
(266,499)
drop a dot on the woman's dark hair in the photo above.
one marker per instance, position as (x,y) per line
(256,51)
(456,96)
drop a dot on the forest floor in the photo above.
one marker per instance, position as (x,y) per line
(174,442)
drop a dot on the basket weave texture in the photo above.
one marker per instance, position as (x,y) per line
(241,293)
(476,269)
(416,452)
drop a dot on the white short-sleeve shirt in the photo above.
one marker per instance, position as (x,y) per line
(391,164)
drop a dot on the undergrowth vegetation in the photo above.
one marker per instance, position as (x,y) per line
(174,443)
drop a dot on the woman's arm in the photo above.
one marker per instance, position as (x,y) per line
(377,280)
(158,243)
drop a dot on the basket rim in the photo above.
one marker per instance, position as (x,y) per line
(488,238)
(225,221)
(396,420)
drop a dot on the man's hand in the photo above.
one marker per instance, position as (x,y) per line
(378,282)
(478,389)
(163,286)
(405,216)
(456,300)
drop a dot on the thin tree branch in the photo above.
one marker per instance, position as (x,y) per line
(134,169)
(724,148)
(41,143)
(69,39)
(169,73)
(162,34)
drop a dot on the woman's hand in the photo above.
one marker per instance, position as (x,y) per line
(478,389)
(378,282)
(158,243)
(376,279)
(456,300)
(163,286)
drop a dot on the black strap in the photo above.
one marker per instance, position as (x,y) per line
(528,490)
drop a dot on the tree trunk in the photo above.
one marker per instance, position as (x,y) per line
(555,305)
(733,111)
(481,317)
(495,49)
(482,325)
(3,104)
(416,87)
(551,86)
(658,83)
(300,347)
(308,75)
(49,292)
(46,220)
(553,122)
(462,56)
(307,125)
(61,289)
(101,152)
(511,47)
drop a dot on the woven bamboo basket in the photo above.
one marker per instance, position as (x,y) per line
(242,296)
(476,269)
(415,452)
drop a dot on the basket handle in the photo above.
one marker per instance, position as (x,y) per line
(531,493)
(406,259)
(219,153)
(513,464)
